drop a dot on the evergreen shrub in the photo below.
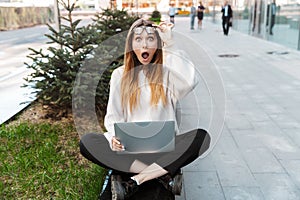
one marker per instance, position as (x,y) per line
(155,16)
(72,46)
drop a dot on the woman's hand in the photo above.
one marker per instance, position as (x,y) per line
(116,145)
(165,32)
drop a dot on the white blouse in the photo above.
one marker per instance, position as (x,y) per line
(178,78)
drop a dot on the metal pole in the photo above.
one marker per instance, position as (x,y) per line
(214,11)
(266,21)
(137,7)
(56,16)
(299,36)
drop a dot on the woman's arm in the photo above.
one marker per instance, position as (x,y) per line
(182,77)
(114,111)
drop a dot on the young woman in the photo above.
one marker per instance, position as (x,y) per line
(200,14)
(154,77)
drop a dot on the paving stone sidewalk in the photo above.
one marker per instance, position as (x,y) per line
(257,157)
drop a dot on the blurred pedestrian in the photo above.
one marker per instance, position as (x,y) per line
(226,17)
(172,13)
(271,13)
(193,15)
(200,14)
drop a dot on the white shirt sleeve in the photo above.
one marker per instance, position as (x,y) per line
(182,77)
(114,111)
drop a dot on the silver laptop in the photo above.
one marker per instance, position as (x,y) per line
(146,137)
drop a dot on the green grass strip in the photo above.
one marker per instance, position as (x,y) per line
(42,161)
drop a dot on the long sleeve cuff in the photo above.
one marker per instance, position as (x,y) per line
(109,137)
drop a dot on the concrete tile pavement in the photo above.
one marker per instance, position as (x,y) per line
(257,156)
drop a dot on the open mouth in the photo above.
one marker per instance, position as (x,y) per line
(145,55)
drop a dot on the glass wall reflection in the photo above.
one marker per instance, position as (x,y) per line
(277,21)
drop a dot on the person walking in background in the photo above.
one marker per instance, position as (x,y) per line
(271,13)
(226,17)
(172,13)
(200,14)
(193,15)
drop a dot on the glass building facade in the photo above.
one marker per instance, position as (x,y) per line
(274,20)
(277,21)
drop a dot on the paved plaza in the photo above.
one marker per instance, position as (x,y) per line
(257,156)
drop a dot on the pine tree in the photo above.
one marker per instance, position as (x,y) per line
(58,71)
(114,25)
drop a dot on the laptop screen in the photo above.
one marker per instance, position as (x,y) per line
(146,137)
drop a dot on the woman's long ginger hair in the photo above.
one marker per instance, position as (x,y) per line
(130,88)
